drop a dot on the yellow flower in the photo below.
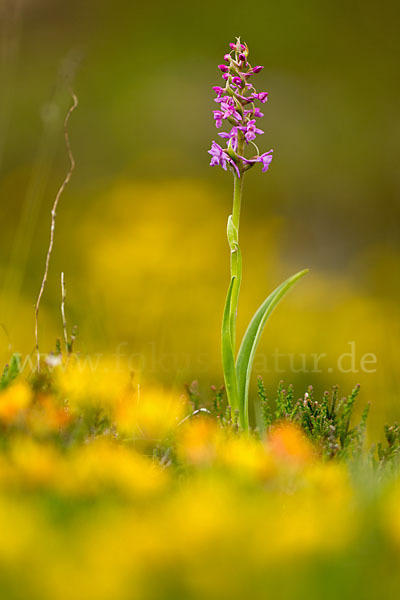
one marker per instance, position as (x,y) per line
(31,464)
(92,382)
(198,439)
(247,457)
(149,413)
(14,400)
(104,465)
(20,524)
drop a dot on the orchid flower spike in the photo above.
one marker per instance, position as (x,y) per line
(236,100)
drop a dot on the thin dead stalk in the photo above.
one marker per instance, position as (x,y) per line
(53,222)
(64,320)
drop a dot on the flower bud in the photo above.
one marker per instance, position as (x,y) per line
(237,81)
(223,68)
(257,69)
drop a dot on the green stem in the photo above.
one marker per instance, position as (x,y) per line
(236,263)
(231,304)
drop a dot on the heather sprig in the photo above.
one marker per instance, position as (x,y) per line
(326,422)
(236,101)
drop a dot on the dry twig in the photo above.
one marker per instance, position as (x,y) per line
(64,321)
(53,222)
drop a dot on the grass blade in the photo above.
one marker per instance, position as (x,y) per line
(11,371)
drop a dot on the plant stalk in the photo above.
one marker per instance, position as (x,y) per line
(231,307)
(236,263)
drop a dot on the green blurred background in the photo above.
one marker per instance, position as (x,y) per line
(141,228)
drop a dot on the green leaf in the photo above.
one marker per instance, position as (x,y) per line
(228,360)
(248,347)
(11,371)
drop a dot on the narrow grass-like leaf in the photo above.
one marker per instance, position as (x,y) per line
(11,371)
(248,347)
(228,359)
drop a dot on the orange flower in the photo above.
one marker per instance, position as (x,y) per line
(286,442)
(48,415)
